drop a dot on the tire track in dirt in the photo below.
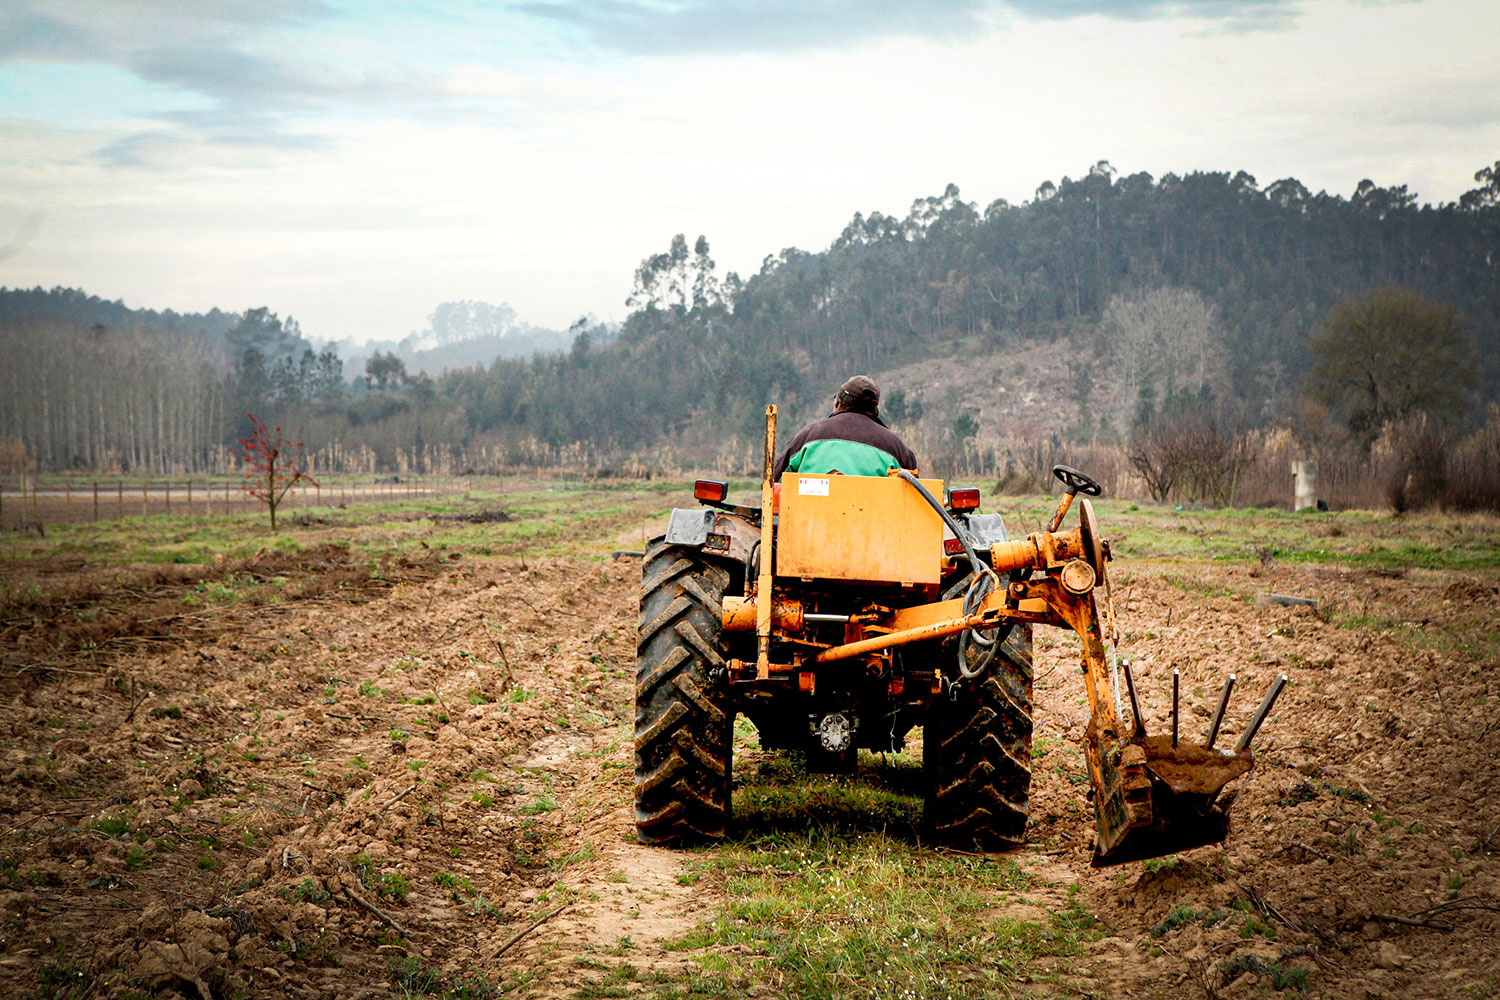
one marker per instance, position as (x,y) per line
(627,902)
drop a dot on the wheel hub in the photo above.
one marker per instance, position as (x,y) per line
(834,731)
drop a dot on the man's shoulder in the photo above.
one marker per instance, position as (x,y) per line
(849,425)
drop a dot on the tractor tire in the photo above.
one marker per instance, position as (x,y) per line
(683,720)
(976,754)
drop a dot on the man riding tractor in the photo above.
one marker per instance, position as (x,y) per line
(852,440)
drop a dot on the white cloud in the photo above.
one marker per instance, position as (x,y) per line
(543,182)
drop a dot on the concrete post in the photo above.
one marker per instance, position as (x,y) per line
(1304,485)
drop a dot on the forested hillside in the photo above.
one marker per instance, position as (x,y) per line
(952,279)
(1135,293)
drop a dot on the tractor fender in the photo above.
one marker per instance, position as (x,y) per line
(985,530)
(717,533)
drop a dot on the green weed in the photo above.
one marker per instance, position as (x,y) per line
(112,826)
(1283,977)
(457,885)
(1179,916)
(391,885)
(307,891)
(415,976)
(541,804)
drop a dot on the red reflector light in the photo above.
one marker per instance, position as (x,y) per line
(952,546)
(964,499)
(711,490)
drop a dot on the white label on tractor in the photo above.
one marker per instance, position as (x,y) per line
(812,487)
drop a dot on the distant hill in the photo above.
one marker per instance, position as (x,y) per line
(463,334)
(458,335)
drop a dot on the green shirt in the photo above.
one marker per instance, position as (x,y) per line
(848,457)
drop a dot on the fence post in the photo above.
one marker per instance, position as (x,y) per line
(68,502)
(190,498)
(119,499)
(1304,485)
(169,498)
(96,502)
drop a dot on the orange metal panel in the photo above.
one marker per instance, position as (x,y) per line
(870,528)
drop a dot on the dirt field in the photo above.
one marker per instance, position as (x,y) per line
(367,761)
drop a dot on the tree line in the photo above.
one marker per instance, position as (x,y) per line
(1206,289)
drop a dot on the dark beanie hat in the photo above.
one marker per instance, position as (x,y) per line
(859,393)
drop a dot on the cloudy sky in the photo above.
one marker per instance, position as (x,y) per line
(354,164)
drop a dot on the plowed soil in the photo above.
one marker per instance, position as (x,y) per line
(326,774)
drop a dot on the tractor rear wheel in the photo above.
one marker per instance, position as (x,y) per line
(976,752)
(683,722)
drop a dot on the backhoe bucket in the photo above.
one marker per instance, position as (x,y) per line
(1157,796)
(1170,798)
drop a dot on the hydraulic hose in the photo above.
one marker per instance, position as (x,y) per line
(977,588)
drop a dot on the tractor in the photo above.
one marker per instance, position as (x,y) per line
(845,611)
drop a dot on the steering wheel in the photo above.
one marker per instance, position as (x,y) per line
(1075,481)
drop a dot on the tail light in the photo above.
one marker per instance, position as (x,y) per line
(952,546)
(710,490)
(966,498)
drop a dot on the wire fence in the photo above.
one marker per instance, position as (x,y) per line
(31,501)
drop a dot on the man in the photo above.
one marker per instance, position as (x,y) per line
(852,440)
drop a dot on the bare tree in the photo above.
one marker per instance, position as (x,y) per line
(1192,448)
(1161,342)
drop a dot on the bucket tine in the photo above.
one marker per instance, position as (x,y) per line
(1213,728)
(1175,678)
(1260,714)
(1135,707)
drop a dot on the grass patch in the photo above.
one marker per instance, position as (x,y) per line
(836,913)
(829,892)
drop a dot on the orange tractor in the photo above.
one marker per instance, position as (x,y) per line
(863,607)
